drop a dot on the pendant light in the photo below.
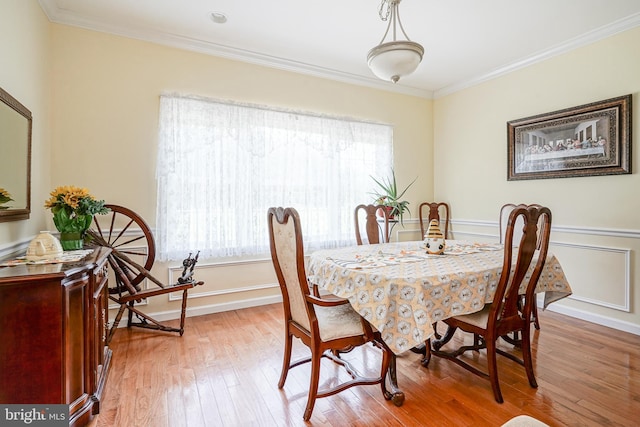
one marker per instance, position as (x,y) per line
(396,58)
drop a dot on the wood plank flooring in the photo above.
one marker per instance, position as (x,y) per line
(225,369)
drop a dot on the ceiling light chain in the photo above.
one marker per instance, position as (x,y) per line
(397,58)
(384,12)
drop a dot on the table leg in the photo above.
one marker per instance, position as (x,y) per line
(396,395)
(426,356)
(438,342)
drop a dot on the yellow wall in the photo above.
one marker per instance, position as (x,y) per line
(106,91)
(596,222)
(24,73)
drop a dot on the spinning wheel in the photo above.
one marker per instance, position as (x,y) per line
(118,229)
(133,253)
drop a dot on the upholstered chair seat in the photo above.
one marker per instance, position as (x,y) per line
(338,322)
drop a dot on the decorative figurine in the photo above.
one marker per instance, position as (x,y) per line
(44,246)
(434,241)
(187,272)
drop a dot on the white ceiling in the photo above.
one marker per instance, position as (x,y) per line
(465,41)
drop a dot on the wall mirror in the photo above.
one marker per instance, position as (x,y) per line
(15,158)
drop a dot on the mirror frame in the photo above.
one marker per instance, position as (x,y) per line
(20,213)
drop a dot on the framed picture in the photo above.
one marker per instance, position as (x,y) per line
(588,140)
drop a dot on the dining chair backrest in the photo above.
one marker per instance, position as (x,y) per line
(529,246)
(376,220)
(287,254)
(438,211)
(505,211)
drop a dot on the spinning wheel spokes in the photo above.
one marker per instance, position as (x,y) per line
(125,231)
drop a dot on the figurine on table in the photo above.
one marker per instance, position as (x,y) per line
(434,241)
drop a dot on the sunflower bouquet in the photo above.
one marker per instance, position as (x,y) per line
(73,209)
(4,198)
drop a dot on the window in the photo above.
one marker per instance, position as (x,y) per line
(222,165)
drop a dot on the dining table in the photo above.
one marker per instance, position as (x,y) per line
(403,291)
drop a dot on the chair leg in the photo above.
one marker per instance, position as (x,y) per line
(493,368)
(449,333)
(534,313)
(526,357)
(286,359)
(313,385)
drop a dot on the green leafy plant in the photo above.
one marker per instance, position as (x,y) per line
(387,194)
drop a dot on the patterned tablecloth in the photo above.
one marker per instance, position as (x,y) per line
(402,291)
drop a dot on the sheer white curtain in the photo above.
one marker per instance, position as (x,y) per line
(222,165)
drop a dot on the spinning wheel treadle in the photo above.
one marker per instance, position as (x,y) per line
(133,254)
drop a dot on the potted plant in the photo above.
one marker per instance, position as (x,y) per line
(387,194)
(73,209)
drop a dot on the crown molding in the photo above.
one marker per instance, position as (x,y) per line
(61,16)
(592,36)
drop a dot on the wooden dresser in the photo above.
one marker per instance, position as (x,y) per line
(53,321)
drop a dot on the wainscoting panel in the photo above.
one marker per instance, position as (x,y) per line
(606,281)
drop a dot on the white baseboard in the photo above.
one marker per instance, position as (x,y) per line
(595,318)
(210,309)
(255,302)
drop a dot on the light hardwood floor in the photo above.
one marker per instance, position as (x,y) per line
(224,372)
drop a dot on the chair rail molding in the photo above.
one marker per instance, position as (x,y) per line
(177,270)
(596,231)
(15,249)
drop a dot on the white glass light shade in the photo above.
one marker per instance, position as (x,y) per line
(390,61)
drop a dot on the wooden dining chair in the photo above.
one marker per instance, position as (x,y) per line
(438,211)
(327,327)
(376,224)
(523,263)
(505,211)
